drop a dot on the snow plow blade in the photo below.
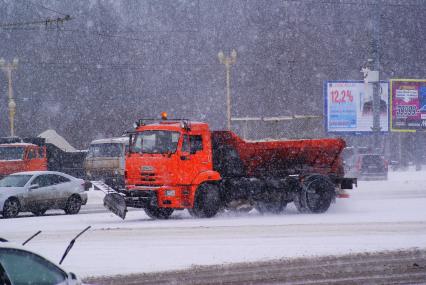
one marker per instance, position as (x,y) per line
(116,203)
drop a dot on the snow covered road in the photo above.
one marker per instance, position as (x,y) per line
(380,215)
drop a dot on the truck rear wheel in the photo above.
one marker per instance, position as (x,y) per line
(207,201)
(155,212)
(316,195)
(271,207)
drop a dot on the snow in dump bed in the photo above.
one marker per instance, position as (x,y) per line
(53,137)
(17,144)
(380,215)
(122,140)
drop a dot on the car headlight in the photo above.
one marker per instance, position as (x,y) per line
(170,193)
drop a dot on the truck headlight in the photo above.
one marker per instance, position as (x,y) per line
(170,193)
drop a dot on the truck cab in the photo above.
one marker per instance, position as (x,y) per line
(167,161)
(105,161)
(17,157)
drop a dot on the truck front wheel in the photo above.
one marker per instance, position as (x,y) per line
(316,194)
(207,201)
(155,212)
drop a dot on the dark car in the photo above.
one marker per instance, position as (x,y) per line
(21,266)
(371,167)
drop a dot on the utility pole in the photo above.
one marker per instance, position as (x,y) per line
(375,63)
(228,61)
(7,68)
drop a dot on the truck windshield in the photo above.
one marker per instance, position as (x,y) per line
(11,153)
(105,150)
(15,180)
(156,142)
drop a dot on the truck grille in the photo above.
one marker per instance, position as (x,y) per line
(150,179)
(148,176)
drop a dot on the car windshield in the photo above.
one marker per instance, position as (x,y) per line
(105,150)
(11,153)
(15,180)
(156,142)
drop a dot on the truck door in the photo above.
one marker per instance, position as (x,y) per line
(35,159)
(62,189)
(195,157)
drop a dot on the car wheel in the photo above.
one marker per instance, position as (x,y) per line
(39,212)
(73,205)
(11,208)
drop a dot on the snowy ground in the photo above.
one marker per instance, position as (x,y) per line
(380,215)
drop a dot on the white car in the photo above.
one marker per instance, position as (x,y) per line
(21,266)
(39,191)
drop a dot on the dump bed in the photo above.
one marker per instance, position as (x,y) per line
(233,156)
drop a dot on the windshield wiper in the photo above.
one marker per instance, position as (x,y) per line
(31,237)
(72,244)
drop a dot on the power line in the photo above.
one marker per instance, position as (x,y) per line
(46,8)
(47,22)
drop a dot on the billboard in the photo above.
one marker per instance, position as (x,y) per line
(349,106)
(408,105)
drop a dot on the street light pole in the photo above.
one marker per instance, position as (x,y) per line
(228,61)
(7,68)
(375,62)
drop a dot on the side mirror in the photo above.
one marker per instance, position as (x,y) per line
(33,186)
(73,279)
(87,185)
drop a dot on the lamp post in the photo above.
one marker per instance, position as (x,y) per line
(228,61)
(7,68)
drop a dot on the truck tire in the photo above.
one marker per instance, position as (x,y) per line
(11,208)
(271,207)
(207,201)
(155,212)
(316,194)
(73,205)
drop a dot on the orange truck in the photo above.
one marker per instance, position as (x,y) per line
(33,154)
(178,164)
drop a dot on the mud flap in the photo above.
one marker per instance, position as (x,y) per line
(116,203)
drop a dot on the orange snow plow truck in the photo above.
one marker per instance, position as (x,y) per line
(178,164)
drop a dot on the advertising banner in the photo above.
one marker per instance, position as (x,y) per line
(349,106)
(408,105)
